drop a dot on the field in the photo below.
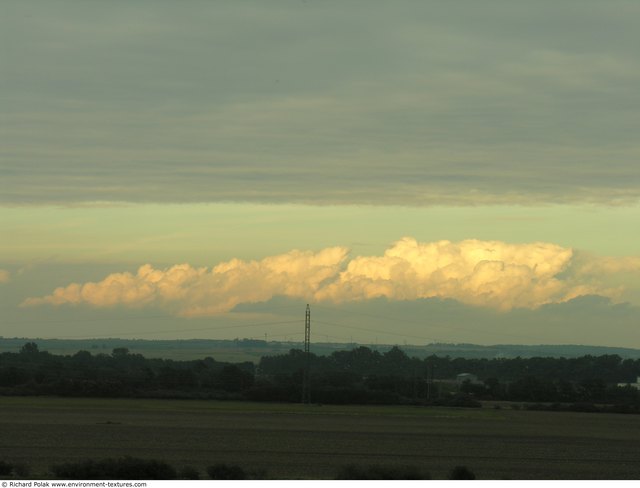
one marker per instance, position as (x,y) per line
(312,442)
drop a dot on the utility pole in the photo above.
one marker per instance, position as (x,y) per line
(430,383)
(306,389)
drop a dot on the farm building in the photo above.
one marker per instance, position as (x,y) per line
(635,385)
(462,377)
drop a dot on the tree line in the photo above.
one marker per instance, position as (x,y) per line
(119,374)
(130,468)
(361,376)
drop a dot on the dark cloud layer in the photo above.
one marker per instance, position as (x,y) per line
(584,320)
(409,103)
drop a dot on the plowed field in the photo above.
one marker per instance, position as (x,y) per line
(313,442)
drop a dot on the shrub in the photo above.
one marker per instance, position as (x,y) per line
(21,469)
(226,472)
(583,407)
(461,473)
(117,469)
(459,400)
(5,468)
(189,473)
(354,472)
(535,406)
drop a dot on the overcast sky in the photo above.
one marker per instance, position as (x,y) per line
(228,136)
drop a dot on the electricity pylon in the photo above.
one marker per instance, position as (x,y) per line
(306,389)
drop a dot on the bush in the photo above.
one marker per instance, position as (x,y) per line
(226,472)
(126,468)
(189,473)
(459,400)
(353,472)
(461,473)
(5,468)
(21,470)
(583,407)
(536,406)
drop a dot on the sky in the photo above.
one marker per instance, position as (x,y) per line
(415,171)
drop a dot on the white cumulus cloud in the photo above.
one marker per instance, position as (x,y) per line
(486,273)
(200,291)
(491,274)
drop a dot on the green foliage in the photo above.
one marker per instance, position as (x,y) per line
(189,473)
(381,472)
(461,473)
(21,469)
(5,468)
(120,374)
(120,352)
(458,400)
(29,349)
(13,376)
(233,379)
(117,469)
(359,376)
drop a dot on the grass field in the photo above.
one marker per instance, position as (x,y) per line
(312,442)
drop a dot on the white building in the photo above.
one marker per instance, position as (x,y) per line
(635,385)
(471,378)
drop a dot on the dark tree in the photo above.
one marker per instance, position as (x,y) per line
(120,352)
(30,349)
(461,473)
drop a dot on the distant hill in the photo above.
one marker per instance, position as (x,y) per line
(252,350)
(524,351)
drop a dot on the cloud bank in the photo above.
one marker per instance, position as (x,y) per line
(490,274)
(459,103)
(5,276)
(194,291)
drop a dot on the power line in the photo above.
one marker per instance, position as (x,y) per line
(261,324)
(227,327)
(371,330)
(420,322)
(130,317)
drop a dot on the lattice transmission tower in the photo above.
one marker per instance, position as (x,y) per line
(306,388)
